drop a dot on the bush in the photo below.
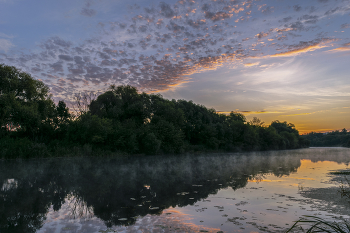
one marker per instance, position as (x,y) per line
(150,144)
(13,148)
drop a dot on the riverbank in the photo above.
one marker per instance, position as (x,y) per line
(124,120)
(23,148)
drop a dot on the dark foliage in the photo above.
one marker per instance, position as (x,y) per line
(124,120)
(334,138)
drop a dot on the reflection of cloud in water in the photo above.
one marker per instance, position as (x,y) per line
(297,178)
(119,189)
(170,220)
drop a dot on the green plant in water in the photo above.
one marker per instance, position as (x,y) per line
(317,224)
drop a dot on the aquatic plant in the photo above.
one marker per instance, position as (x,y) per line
(317,224)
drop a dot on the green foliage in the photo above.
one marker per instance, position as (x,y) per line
(334,138)
(121,119)
(90,129)
(170,137)
(150,144)
(25,103)
(22,148)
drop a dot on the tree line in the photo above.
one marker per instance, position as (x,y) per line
(124,120)
(334,138)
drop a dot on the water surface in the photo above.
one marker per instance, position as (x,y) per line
(240,192)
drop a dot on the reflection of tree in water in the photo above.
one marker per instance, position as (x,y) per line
(23,208)
(118,190)
(78,207)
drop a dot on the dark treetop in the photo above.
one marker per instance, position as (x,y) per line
(125,121)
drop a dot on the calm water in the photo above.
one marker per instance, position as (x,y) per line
(245,192)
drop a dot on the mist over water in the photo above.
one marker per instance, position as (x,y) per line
(257,191)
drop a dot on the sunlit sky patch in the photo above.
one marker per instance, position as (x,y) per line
(285,60)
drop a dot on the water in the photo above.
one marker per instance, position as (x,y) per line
(244,192)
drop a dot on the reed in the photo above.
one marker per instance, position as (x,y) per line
(317,224)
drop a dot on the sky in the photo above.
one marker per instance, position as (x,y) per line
(272,59)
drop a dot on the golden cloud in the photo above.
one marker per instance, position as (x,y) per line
(298,51)
(246,113)
(252,64)
(340,49)
(299,114)
(284,29)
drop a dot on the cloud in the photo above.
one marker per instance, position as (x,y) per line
(332,11)
(3,35)
(55,43)
(267,10)
(303,47)
(88,12)
(247,113)
(345,25)
(251,64)
(166,10)
(297,7)
(345,47)
(5,45)
(299,114)
(310,19)
(286,19)
(262,35)
(340,49)
(56,67)
(160,46)
(65,57)
(217,16)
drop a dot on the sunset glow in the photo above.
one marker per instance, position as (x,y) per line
(275,60)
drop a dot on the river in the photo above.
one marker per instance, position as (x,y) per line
(228,192)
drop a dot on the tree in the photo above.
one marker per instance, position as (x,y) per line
(234,116)
(122,103)
(256,122)
(25,103)
(284,126)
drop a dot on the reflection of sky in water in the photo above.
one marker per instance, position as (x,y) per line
(272,202)
(267,203)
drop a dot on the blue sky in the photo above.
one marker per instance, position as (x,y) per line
(275,59)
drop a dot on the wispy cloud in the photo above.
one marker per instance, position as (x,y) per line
(160,46)
(303,47)
(251,64)
(247,113)
(299,114)
(340,49)
(3,35)
(5,44)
